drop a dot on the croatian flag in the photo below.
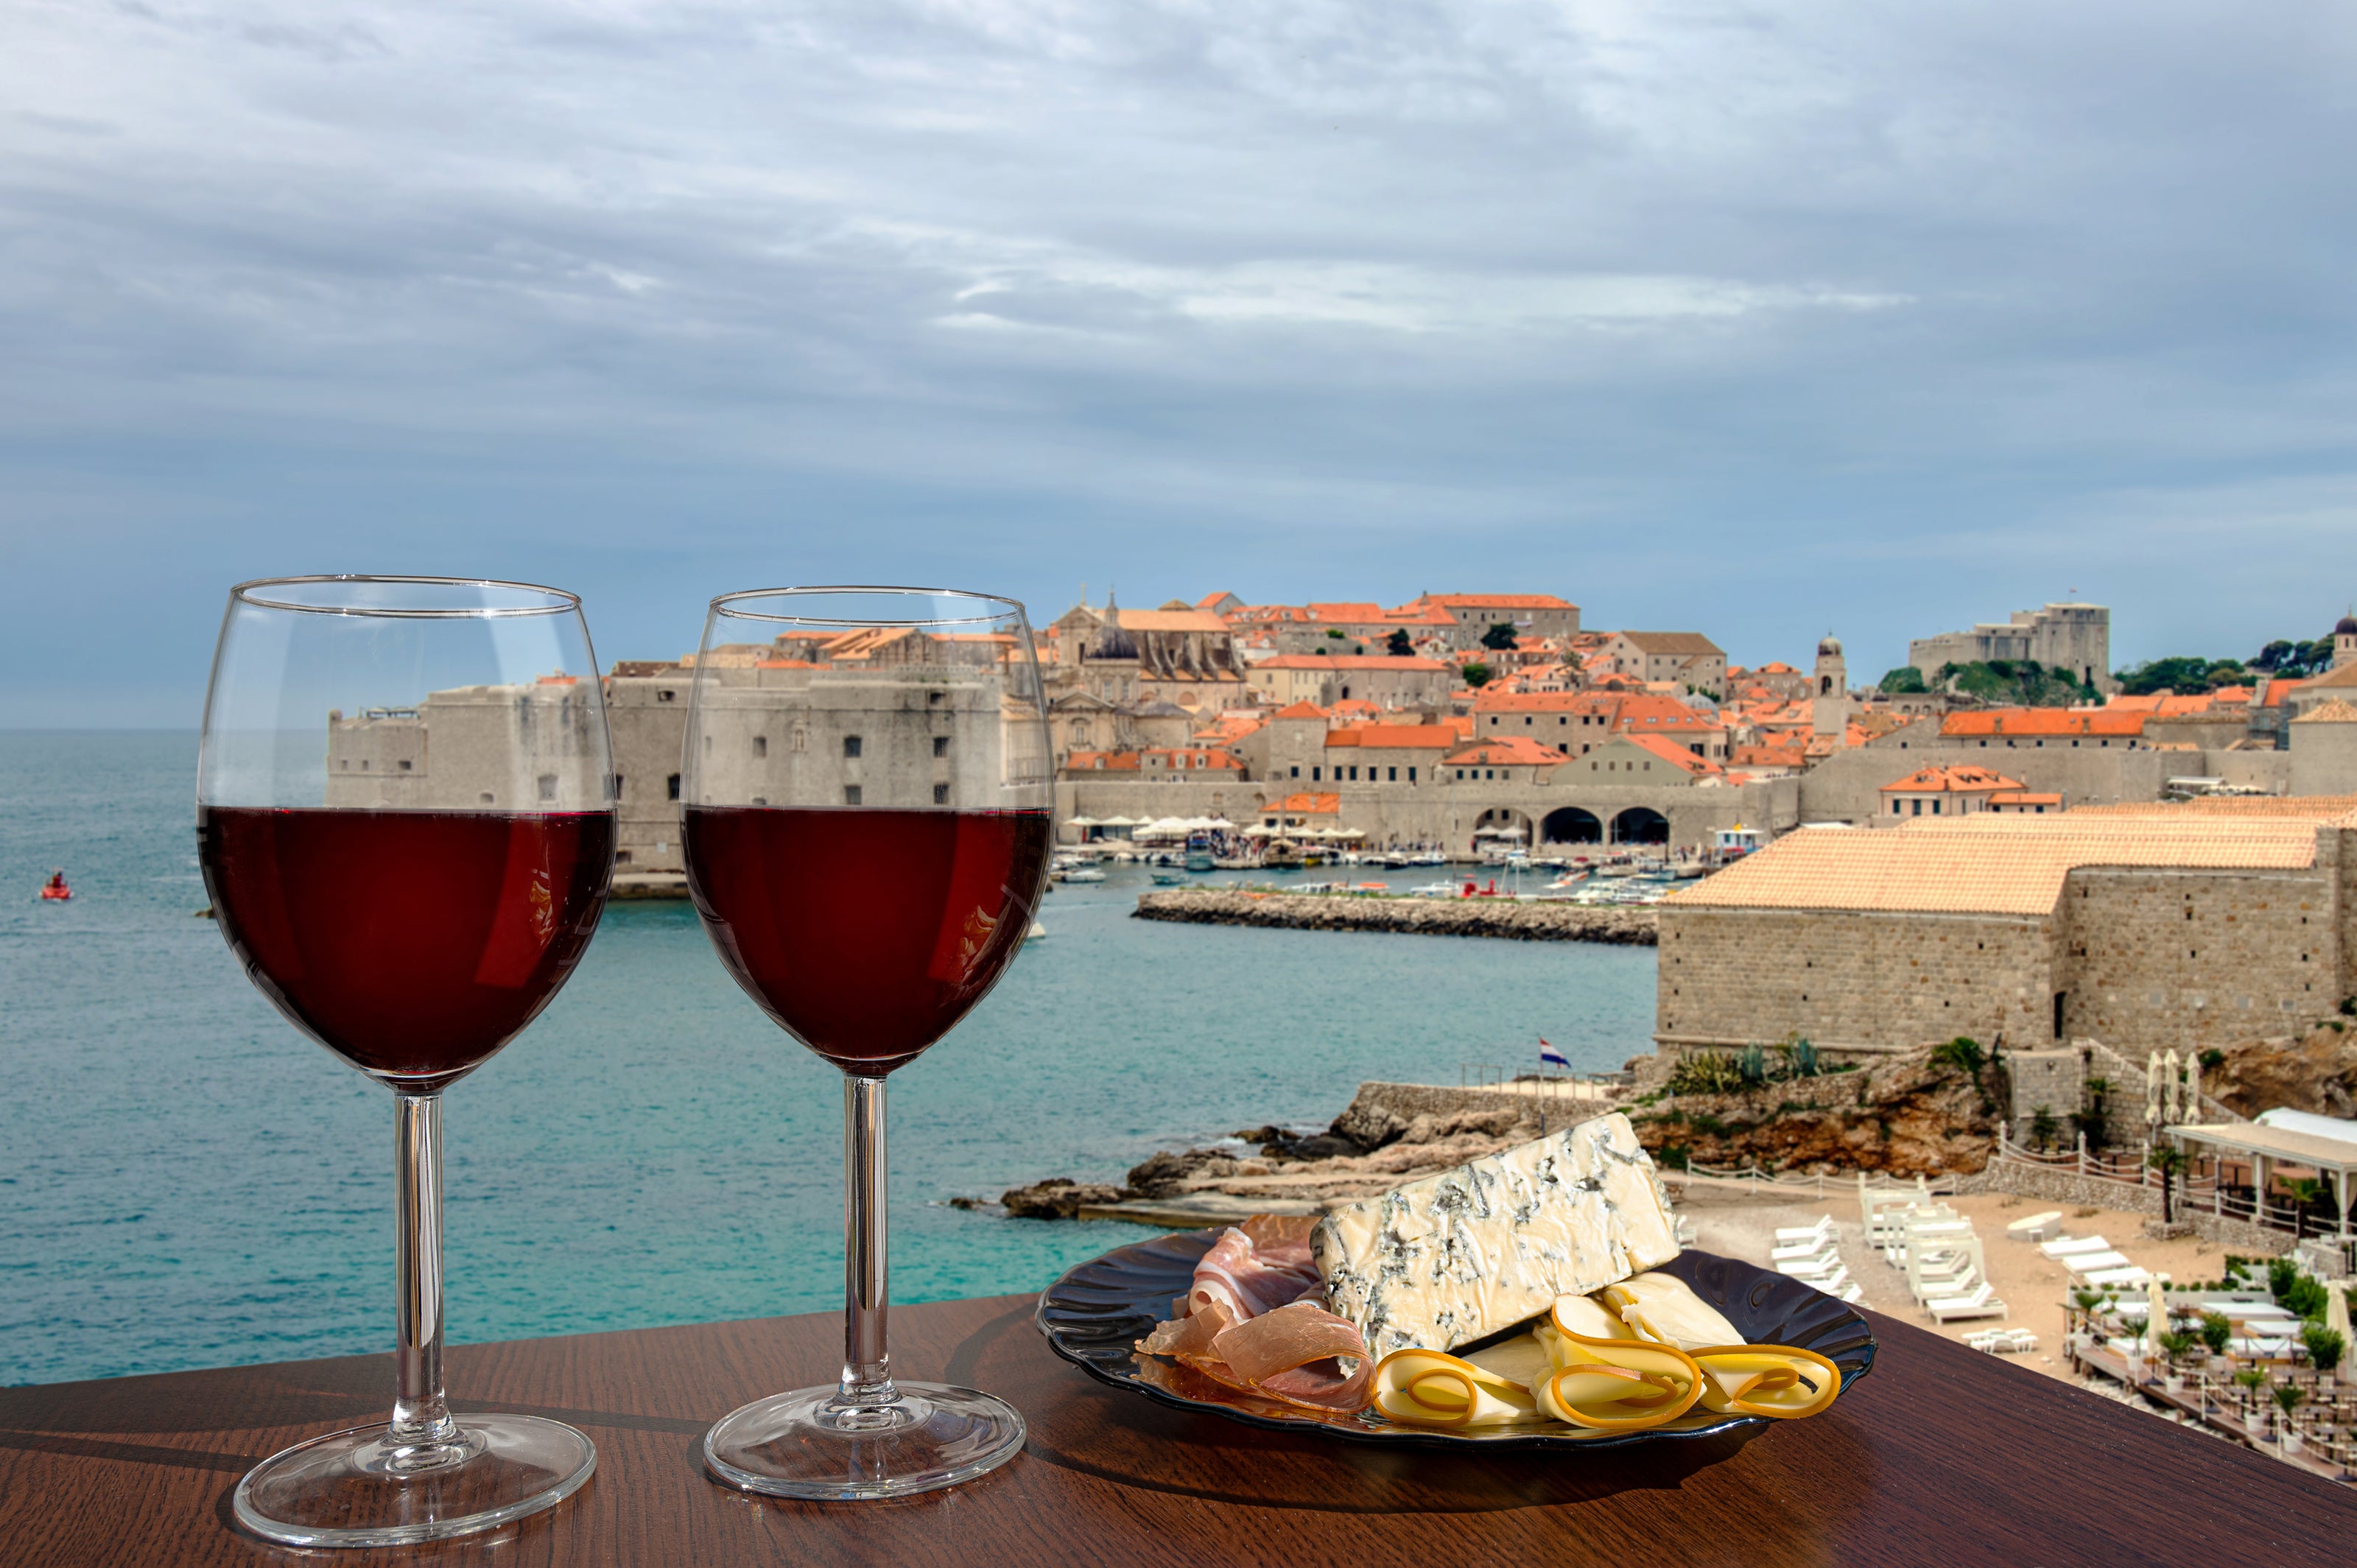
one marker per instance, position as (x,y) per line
(1550,1057)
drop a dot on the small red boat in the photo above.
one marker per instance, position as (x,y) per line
(54,887)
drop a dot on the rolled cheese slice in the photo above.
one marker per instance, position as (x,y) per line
(1431,1388)
(1664,1309)
(1775,1381)
(1616,1385)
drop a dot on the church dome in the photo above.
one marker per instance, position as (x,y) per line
(1829,648)
(2345,627)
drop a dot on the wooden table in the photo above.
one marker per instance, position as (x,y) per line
(1944,1455)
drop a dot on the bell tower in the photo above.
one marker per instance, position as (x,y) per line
(2345,640)
(1829,704)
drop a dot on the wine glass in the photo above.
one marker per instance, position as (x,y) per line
(405,817)
(866,815)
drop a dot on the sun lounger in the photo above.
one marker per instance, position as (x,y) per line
(1823,1247)
(2118,1279)
(1850,1293)
(1981,1303)
(1832,1283)
(1811,1268)
(2084,1263)
(2064,1246)
(2034,1227)
(1822,1231)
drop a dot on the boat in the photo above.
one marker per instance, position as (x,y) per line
(55,889)
(1169,878)
(1084,874)
(1035,933)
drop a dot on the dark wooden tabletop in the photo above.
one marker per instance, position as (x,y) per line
(1944,1455)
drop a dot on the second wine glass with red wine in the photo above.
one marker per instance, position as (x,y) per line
(866,816)
(405,819)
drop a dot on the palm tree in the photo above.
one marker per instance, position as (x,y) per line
(2288,1398)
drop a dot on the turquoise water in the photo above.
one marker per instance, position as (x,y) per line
(187,1182)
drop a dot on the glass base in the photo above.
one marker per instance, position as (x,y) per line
(358,1488)
(810,1444)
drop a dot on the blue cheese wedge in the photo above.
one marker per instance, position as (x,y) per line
(1445,1261)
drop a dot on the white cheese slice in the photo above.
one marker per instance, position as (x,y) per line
(1445,1261)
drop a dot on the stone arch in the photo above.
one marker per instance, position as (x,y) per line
(1641,824)
(1506,817)
(1571,824)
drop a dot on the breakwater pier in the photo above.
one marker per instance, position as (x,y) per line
(1534,921)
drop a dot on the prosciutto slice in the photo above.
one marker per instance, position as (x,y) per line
(1296,1352)
(1262,1265)
(1255,1319)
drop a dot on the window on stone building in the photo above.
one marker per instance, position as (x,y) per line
(851,794)
(670,787)
(851,745)
(941,794)
(760,746)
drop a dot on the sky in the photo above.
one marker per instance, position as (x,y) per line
(1763,321)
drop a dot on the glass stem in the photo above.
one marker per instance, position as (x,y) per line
(866,1364)
(420,1418)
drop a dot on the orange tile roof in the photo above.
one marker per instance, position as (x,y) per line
(1187,758)
(1497,601)
(1171,620)
(1346,612)
(1672,751)
(1305,806)
(2308,808)
(2041,722)
(2023,798)
(1302,711)
(1419,736)
(1517,750)
(1353,662)
(1114,760)
(1987,863)
(1952,780)
(2333,712)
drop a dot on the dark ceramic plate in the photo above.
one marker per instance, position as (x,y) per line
(1096,1312)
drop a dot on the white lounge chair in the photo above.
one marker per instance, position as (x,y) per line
(1811,1268)
(1818,1248)
(1822,1231)
(2084,1263)
(2062,1247)
(1981,1303)
(2033,1227)
(1832,1283)
(1850,1292)
(2117,1279)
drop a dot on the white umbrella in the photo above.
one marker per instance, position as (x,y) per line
(2156,1323)
(1082,822)
(1218,824)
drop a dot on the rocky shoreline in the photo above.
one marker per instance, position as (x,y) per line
(1915,1113)
(1542,923)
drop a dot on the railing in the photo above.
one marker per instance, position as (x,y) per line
(1787,1185)
(1559,1085)
(2192,1194)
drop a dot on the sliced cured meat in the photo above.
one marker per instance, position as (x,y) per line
(1295,1353)
(1188,1336)
(1238,1275)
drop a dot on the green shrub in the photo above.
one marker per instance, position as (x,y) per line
(1706,1072)
(2217,1332)
(2325,1347)
(2281,1273)
(1963,1053)
(1752,1064)
(2212,1060)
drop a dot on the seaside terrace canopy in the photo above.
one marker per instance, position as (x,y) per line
(2268,1147)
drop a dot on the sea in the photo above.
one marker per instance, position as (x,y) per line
(186,1181)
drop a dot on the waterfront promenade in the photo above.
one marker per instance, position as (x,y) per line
(1941,1455)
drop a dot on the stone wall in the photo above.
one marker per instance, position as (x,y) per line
(2050,1079)
(1846,787)
(2161,958)
(1548,922)
(1851,981)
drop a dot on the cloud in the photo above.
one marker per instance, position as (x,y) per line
(1613,299)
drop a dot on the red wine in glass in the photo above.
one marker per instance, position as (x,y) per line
(865,809)
(413,944)
(405,802)
(866,934)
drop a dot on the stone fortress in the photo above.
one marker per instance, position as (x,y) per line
(2073,638)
